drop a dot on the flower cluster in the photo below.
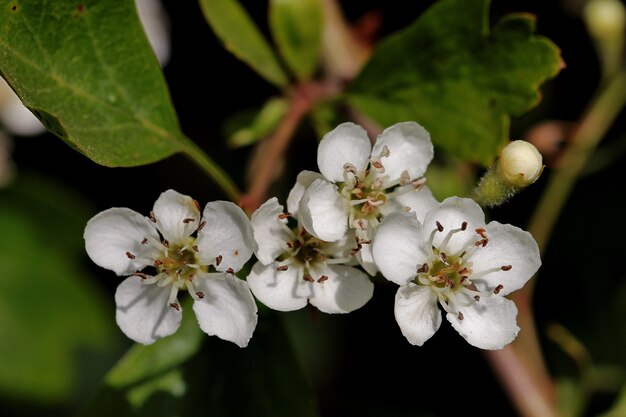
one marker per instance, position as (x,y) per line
(368,207)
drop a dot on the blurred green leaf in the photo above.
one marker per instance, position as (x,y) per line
(256,124)
(221,379)
(457,78)
(572,397)
(297,29)
(242,38)
(56,328)
(86,70)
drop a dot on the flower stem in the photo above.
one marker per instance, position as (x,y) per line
(304,96)
(217,174)
(520,365)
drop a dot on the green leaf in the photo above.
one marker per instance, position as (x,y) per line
(297,29)
(221,379)
(57,328)
(86,70)
(242,38)
(457,78)
(257,123)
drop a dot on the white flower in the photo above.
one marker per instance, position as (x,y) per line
(458,261)
(126,242)
(155,22)
(295,267)
(360,184)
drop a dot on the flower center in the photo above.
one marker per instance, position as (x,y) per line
(450,275)
(179,261)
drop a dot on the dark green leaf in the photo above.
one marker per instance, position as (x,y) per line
(86,70)
(297,29)
(457,78)
(261,380)
(56,328)
(242,38)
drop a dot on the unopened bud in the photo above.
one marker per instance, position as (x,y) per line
(520,163)
(605,19)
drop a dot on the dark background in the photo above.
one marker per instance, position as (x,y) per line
(364,366)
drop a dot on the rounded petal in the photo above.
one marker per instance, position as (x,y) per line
(410,150)
(420,202)
(156,25)
(113,240)
(417,313)
(279,290)
(227,233)
(451,214)
(487,324)
(508,246)
(269,231)
(177,216)
(303,181)
(143,312)
(397,249)
(324,212)
(346,144)
(227,310)
(345,290)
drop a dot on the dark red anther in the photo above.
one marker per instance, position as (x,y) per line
(200,294)
(282,268)
(498,289)
(144,241)
(175,306)
(188,220)
(201,225)
(283,216)
(423,269)
(464,226)
(308,278)
(218,260)
(506,267)
(130,255)
(322,278)
(439,226)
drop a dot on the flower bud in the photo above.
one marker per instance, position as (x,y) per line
(605,19)
(520,163)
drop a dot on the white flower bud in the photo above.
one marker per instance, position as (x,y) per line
(605,19)
(520,163)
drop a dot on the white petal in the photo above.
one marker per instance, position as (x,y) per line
(177,216)
(143,312)
(14,116)
(417,313)
(508,246)
(226,233)
(269,231)
(345,290)
(487,324)
(410,149)
(303,181)
(397,248)
(113,233)
(227,310)
(324,212)
(364,255)
(420,202)
(279,290)
(347,143)
(451,214)
(156,25)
